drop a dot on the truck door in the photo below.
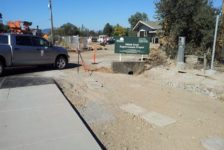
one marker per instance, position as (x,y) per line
(45,50)
(24,53)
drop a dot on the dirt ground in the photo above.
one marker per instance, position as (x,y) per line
(192,101)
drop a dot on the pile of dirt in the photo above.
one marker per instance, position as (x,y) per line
(96,46)
(191,81)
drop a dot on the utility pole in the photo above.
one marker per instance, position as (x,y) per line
(52,23)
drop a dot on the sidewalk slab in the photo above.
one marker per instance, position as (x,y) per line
(133,109)
(158,119)
(39,117)
(213,143)
(151,117)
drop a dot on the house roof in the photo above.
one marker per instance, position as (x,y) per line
(151,24)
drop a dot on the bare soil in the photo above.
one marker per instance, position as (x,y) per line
(194,101)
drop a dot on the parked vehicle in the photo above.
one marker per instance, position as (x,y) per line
(94,39)
(102,38)
(111,40)
(24,50)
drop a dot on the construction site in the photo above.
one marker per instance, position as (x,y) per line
(161,108)
(111,92)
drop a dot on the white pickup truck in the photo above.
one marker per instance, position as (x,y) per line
(24,50)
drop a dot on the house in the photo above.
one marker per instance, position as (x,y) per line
(148,29)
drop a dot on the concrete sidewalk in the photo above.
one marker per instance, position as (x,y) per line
(40,118)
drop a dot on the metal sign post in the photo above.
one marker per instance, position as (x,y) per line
(142,57)
(181,49)
(78,54)
(180,54)
(214,43)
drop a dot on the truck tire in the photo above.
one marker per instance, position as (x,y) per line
(61,62)
(1,68)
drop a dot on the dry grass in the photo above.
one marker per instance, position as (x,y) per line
(157,57)
(221,98)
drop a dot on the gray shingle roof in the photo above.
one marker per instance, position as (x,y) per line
(154,24)
(151,24)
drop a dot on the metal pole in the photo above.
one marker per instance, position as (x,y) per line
(214,43)
(79,53)
(120,57)
(78,61)
(205,63)
(52,23)
(222,7)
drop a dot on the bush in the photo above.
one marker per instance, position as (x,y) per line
(157,57)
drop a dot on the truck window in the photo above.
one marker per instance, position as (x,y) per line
(23,41)
(3,39)
(39,41)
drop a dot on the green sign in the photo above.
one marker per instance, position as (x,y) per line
(132,45)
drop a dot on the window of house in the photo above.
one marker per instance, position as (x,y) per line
(23,40)
(156,40)
(3,39)
(142,33)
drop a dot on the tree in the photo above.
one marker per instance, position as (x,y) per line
(83,31)
(67,29)
(100,32)
(1,28)
(194,19)
(119,31)
(108,29)
(4,28)
(134,19)
(92,33)
(130,32)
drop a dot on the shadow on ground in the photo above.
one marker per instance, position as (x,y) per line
(33,69)
(13,82)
